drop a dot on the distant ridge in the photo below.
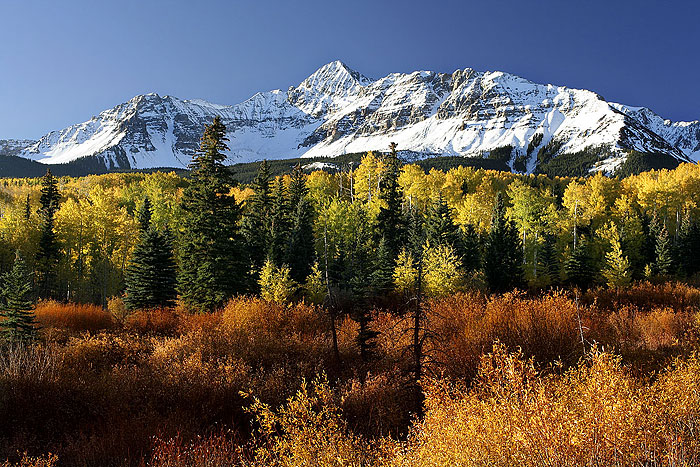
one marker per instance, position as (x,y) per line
(337,110)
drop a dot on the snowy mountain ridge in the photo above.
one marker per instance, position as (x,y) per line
(337,110)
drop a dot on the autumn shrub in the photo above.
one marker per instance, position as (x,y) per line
(375,405)
(264,333)
(307,430)
(463,326)
(594,414)
(154,321)
(72,316)
(646,295)
(49,460)
(220,450)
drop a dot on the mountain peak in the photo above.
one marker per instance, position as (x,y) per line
(329,87)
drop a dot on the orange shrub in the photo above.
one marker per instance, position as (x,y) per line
(154,321)
(267,333)
(464,326)
(72,316)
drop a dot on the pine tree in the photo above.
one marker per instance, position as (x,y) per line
(212,266)
(255,226)
(280,225)
(503,256)
(16,304)
(577,267)
(145,214)
(390,220)
(470,246)
(381,277)
(47,257)
(151,277)
(300,252)
(440,229)
(688,248)
(663,264)
(547,263)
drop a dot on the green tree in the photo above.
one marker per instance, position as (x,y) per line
(440,229)
(255,226)
(144,215)
(503,255)
(390,220)
(151,277)
(300,254)
(16,304)
(688,249)
(470,248)
(47,257)
(547,263)
(280,225)
(577,267)
(212,265)
(663,264)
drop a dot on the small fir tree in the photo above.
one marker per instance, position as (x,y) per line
(440,229)
(255,226)
(17,305)
(280,225)
(577,267)
(151,278)
(663,263)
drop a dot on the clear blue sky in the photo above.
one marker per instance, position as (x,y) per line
(62,62)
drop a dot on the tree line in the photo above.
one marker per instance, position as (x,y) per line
(382,235)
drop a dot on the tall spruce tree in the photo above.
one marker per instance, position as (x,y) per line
(391,222)
(300,254)
(212,265)
(255,226)
(47,256)
(503,256)
(16,304)
(151,277)
(280,225)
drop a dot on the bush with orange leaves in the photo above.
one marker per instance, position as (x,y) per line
(464,326)
(592,414)
(265,333)
(72,316)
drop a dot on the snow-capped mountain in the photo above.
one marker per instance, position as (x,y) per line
(337,110)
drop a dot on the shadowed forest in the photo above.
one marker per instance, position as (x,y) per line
(375,316)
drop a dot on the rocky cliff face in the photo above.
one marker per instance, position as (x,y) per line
(337,110)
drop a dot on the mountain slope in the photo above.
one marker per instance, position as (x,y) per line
(337,110)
